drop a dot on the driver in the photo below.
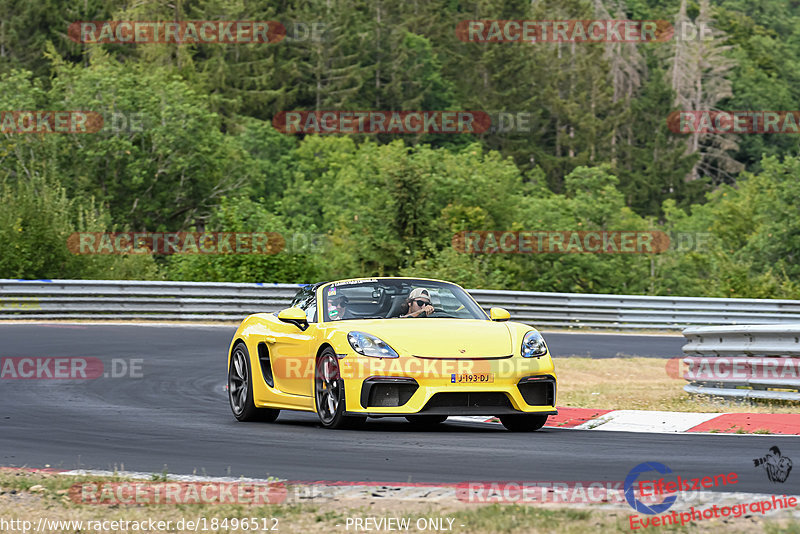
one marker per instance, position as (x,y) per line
(339,308)
(418,304)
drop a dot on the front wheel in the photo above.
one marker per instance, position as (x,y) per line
(329,393)
(240,389)
(523,422)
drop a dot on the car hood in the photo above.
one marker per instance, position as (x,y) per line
(440,338)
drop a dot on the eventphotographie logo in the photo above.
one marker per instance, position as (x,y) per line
(630,484)
(777,466)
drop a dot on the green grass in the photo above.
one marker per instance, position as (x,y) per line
(642,384)
(516,518)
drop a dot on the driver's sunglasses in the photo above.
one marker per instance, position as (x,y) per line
(422,303)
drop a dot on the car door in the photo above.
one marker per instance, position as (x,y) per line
(292,350)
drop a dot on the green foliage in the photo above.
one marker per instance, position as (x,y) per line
(385,206)
(592,203)
(188,145)
(244,215)
(37,219)
(26,28)
(751,242)
(161,161)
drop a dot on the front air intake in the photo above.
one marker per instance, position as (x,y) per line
(538,390)
(387,392)
(469,403)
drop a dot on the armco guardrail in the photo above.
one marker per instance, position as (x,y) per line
(112,299)
(635,311)
(746,362)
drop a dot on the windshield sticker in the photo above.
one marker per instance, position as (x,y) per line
(350,282)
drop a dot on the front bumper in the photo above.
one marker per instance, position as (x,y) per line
(519,385)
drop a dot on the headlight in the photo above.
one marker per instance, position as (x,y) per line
(370,345)
(533,345)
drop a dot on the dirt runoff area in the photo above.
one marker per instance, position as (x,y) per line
(45,502)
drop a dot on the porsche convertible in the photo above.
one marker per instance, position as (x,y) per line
(378,347)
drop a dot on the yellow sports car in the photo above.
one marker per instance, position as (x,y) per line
(378,347)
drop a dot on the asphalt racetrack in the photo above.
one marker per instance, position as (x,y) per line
(176,417)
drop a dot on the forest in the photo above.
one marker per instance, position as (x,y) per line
(580,141)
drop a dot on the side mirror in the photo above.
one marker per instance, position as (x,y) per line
(294,316)
(499,314)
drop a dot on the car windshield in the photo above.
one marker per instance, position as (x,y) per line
(386,298)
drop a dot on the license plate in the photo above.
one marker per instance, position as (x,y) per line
(472,378)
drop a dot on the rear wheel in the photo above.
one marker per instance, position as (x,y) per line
(329,393)
(240,389)
(523,422)
(426,421)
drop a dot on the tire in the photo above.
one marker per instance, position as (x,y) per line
(426,421)
(523,422)
(240,388)
(329,398)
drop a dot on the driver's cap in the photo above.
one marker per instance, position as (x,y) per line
(419,292)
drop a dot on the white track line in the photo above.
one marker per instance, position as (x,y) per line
(647,421)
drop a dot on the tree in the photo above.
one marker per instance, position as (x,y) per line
(627,70)
(698,71)
(240,214)
(26,28)
(36,221)
(161,161)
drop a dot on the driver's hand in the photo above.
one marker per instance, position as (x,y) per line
(428,309)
